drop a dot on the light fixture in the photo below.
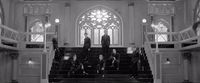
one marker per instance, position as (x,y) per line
(57,20)
(144,20)
(66,57)
(167,61)
(30,61)
(47,25)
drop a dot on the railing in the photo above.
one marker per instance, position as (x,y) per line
(188,36)
(8,36)
(50,58)
(150,57)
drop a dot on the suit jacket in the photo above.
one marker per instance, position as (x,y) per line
(87,43)
(105,41)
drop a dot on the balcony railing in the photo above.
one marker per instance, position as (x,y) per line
(8,37)
(186,38)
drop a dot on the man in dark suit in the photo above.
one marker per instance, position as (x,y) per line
(105,42)
(86,46)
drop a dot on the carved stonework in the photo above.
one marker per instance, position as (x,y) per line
(187,55)
(14,55)
(161,9)
(37,9)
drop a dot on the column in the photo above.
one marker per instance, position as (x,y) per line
(0,35)
(67,24)
(14,66)
(158,68)
(131,22)
(186,61)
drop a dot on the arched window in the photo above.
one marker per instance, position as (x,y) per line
(36,27)
(160,26)
(197,11)
(1,13)
(197,16)
(95,20)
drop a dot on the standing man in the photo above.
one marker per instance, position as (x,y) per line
(105,42)
(86,46)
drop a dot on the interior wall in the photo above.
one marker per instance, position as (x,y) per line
(68,15)
(173,72)
(5,67)
(29,73)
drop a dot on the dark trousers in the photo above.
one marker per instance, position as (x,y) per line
(105,51)
(85,53)
(134,69)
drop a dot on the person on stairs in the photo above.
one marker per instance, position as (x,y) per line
(76,67)
(105,42)
(101,65)
(134,63)
(114,58)
(86,46)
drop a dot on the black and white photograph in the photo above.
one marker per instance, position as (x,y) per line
(99,41)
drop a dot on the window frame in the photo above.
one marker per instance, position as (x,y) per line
(44,18)
(78,29)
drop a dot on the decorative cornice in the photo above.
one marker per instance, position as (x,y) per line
(131,4)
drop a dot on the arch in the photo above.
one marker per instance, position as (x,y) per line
(196,17)
(95,20)
(2,17)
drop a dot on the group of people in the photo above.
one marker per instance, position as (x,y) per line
(105,58)
(79,66)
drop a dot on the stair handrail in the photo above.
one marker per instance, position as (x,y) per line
(150,58)
(51,55)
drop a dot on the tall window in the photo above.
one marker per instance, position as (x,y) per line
(36,27)
(95,21)
(197,16)
(197,12)
(160,26)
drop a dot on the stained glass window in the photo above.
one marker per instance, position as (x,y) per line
(95,21)
(160,26)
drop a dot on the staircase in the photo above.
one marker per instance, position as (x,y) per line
(60,68)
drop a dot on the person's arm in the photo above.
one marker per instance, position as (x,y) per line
(102,41)
(108,40)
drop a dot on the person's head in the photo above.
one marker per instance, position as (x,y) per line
(86,34)
(105,31)
(100,57)
(74,57)
(114,51)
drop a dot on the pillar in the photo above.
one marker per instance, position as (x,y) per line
(67,24)
(158,68)
(186,61)
(131,22)
(14,66)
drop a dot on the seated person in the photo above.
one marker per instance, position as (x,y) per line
(114,58)
(100,65)
(76,67)
(134,63)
